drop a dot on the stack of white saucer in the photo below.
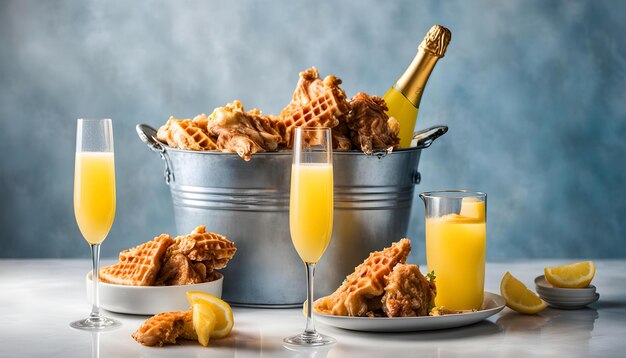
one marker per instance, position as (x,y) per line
(565,298)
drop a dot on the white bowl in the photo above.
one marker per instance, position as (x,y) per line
(149,300)
(565,298)
(542,283)
(574,296)
(571,303)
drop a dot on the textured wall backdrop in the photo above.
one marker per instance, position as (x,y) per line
(534,93)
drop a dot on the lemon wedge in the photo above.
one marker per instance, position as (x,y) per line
(575,275)
(518,297)
(224,320)
(203,322)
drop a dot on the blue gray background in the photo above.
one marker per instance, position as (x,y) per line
(534,93)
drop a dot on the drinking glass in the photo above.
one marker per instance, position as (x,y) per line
(94,201)
(455,246)
(311,214)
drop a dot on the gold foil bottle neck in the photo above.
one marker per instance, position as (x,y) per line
(436,41)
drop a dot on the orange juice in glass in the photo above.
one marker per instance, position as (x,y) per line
(455,246)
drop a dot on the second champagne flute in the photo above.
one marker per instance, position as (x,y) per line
(311,214)
(94,201)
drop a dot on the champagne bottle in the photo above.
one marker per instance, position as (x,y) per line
(403,99)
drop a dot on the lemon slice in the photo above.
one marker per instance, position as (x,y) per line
(203,321)
(224,320)
(575,275)
(518,297)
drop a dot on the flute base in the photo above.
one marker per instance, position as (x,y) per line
(309,339)
(95,323)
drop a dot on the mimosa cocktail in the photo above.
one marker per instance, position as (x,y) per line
(311,214)
(94,202)
(94,194)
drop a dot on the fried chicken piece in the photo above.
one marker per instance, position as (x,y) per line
(213,250)
(166,328)
(244,133)
(200,269)
(212,276)
(315,103)
(367,281)
(369,124)
(178,270)
(341,136)
(407,292)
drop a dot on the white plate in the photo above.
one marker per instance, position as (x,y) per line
(149,300)
(492,304)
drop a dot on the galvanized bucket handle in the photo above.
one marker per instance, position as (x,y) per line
(148,135)
(426,137)
(423,139)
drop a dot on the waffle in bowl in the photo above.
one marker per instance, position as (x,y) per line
(187,259)
(139,265)
(354,296)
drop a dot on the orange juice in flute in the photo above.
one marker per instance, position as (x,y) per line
(311,209)
(94,194)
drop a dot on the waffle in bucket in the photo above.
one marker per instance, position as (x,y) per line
(315,103)
(185,134)
(187,259)
(360,123)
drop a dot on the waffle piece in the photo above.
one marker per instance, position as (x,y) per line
(369,124)
(166,328)
(244,133)
(178,270)
(138,266)
(185,134)
(367,281)
(315,103)
(213,250)
(408,293)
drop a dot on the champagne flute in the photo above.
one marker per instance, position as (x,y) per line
(311,214)
(94,201)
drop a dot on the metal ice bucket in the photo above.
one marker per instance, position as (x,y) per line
(249,203)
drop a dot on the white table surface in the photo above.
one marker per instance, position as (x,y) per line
(38,299)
